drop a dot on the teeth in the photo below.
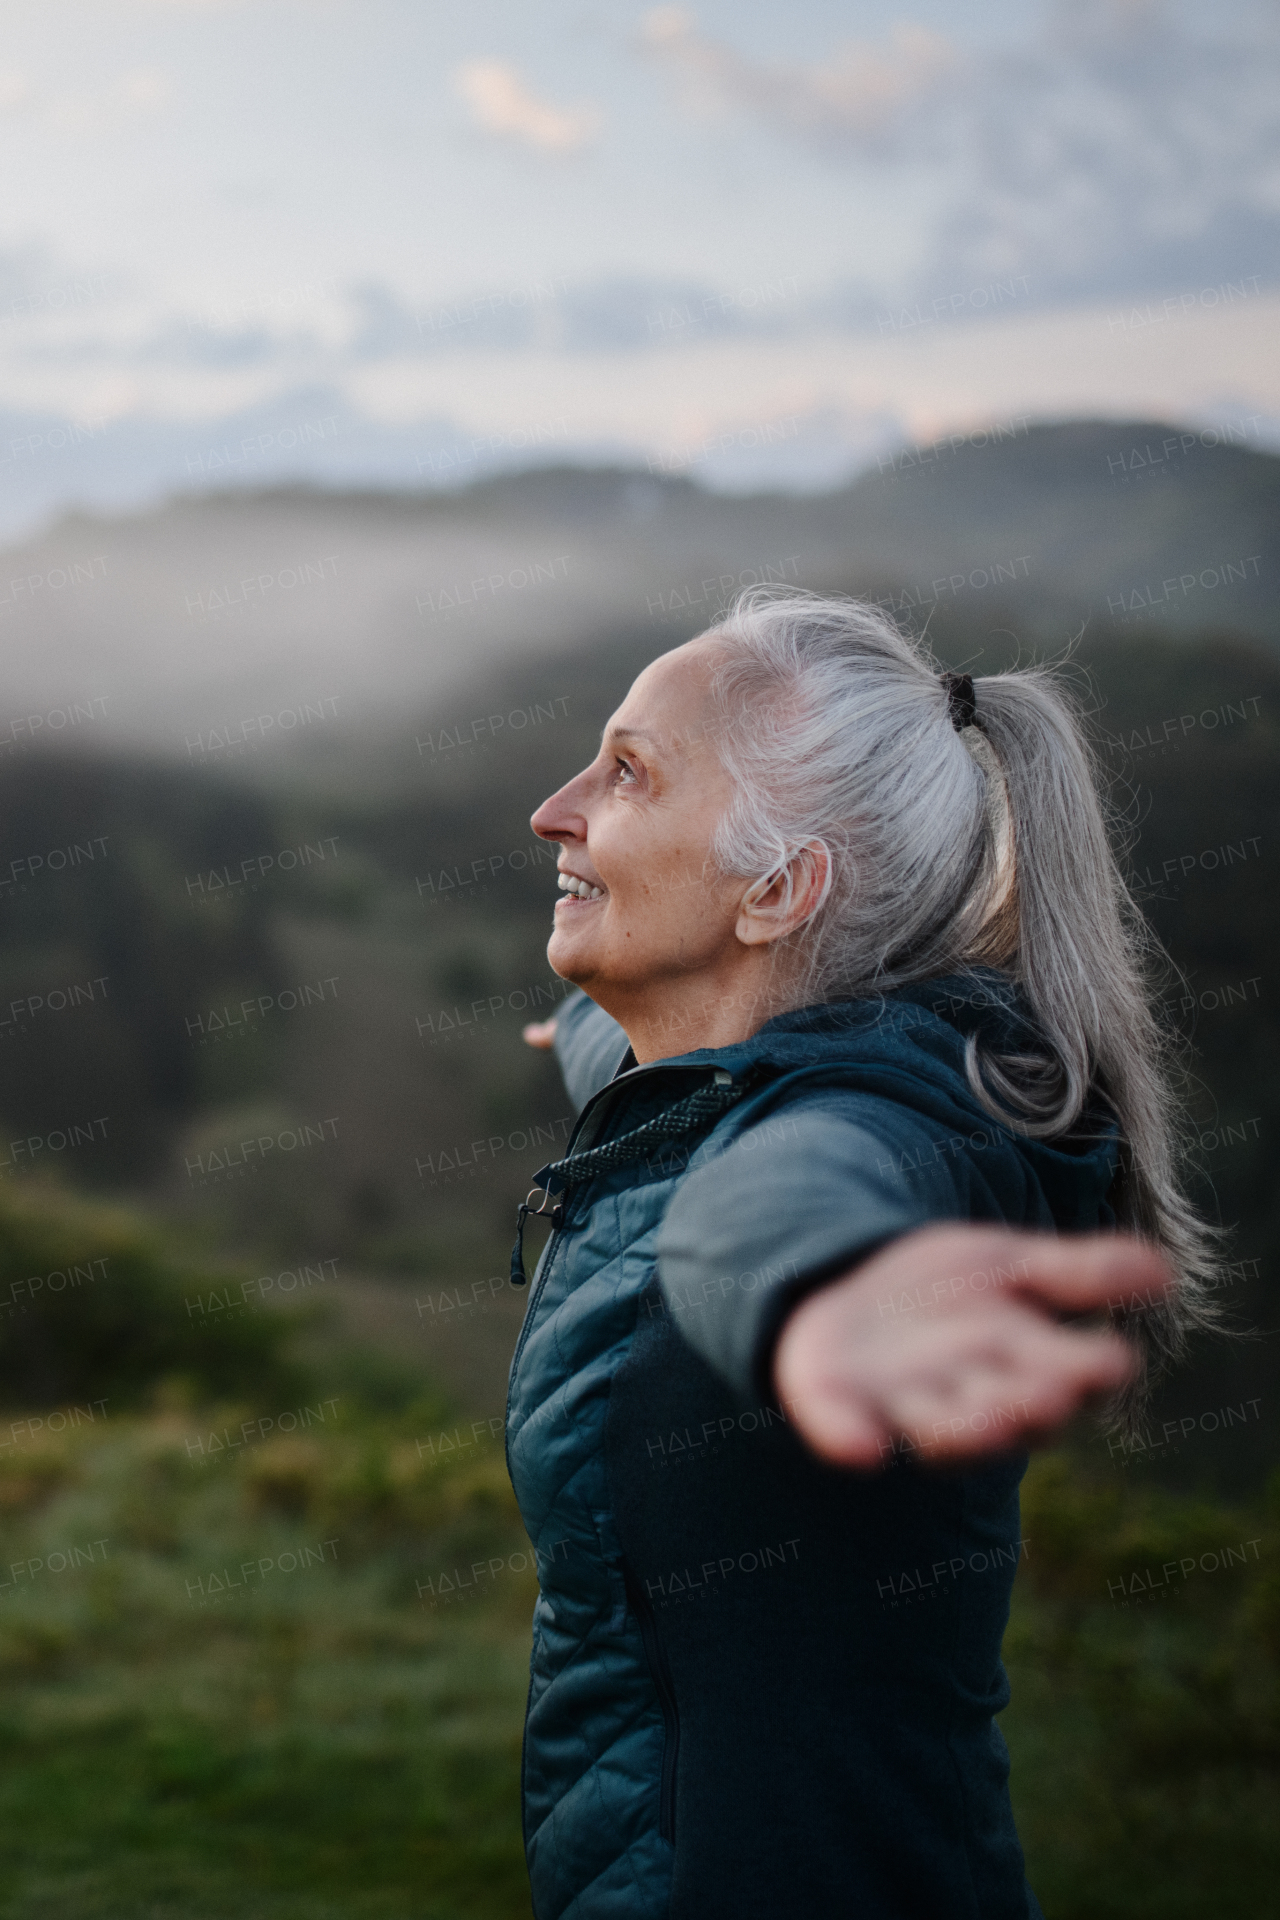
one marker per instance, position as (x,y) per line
(569,883)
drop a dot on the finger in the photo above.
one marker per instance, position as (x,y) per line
(1080,1273)
(1023,1354)
(985,1407)
(842,1428)
(539,1033)
(1105,1271)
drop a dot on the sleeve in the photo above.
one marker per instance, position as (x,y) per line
(790,1202)
(590,1047)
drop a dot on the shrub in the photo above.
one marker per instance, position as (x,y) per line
(95,1304)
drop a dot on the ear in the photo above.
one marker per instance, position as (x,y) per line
(786,897)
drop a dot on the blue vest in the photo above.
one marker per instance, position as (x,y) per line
(762,1685)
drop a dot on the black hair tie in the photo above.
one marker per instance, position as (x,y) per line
(960,701)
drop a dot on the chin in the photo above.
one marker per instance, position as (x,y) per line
(567,958)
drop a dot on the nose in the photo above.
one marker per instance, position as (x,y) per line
(561,817)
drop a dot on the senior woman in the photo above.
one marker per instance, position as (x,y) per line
(868,1082)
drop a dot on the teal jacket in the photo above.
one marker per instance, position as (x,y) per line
(761,1685)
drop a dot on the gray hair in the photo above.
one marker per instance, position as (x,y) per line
(949,850)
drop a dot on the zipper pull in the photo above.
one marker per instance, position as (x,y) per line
(519,1278)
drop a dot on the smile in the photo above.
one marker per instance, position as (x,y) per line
(577,890)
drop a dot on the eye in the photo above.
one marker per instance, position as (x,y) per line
(626,775)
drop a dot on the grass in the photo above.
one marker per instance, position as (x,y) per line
(318,1740)
(229,1688)
(1145,1722)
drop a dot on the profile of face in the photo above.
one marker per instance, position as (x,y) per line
(646,924)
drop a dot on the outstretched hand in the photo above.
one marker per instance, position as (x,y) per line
(949,1341)
(539,1033)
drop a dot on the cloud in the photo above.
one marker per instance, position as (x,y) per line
(611,314)
(145,87)
(503,105)
(16,91)
(113,103)
(1120,152)
(855,99)
(1116,151)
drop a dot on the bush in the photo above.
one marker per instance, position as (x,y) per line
(94,1305)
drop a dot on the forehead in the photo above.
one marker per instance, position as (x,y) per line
(669,700)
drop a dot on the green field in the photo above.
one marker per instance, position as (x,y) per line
(265,1650)
(271,1682)
(237,1701)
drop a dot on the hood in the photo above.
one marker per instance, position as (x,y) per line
(907,1046)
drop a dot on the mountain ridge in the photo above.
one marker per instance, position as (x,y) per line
(217,606)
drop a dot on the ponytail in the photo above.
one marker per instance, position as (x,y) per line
(953,849)
(1088,964)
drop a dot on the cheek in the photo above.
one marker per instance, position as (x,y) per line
(654,862)
(687,917)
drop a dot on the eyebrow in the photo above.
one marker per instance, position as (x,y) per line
(629,733)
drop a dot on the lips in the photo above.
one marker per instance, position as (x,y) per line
(578,889)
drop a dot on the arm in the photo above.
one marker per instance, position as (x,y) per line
(792,1202)
(808,1267)
(589,1045)
(949,1340)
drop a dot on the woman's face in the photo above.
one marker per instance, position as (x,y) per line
(636,825)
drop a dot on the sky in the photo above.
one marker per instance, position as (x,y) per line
(407,242)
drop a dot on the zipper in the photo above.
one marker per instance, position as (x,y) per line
(595,1115)
(661,1674)
(539,1284)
